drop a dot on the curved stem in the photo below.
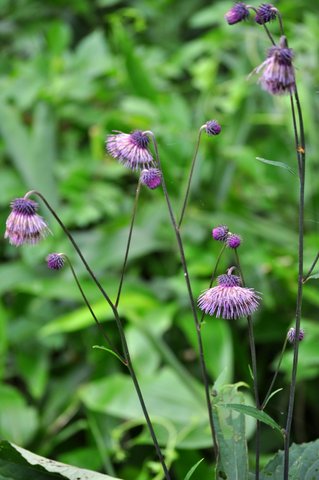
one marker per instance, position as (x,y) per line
(264,25)
(314,263)
(281,25)
(264,403)
(87,303)
(120,328)
(190,176)
(254,370)
(192,301)
(301,155)
(128,243)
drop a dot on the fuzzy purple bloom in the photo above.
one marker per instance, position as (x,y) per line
(291,335)
(55,261)
(265,13)
(151,177)
(24,225)
(228,299)
(130,149)
(233,240)
(212,127)
(237,13)
(278,75)
(220,233)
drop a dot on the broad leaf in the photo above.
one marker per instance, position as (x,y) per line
(254,412)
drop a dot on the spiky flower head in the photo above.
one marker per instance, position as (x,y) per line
(278,75)
(151,177)
(291,335)
(130,149)
(212,127)
(265,13)
(233,240)
(55,261)
(237,13)
(24,225)
(220,233)
(228,299)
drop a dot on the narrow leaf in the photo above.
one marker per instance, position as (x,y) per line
(276,164)
(314,276)
(109,350)
(192,470)
(272,394)
(254,412)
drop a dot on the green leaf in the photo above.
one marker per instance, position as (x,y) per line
(254,412)
(109,350)
(192,470)
(303,463)
(277,164)
(20,464)
(314,276)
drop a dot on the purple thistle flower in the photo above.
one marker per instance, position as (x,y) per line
(212,127)
(233,240)
(55,261)
(237,13)
(265,13)
(228,299)
(130,149)
(278,77)
(291,335)
(151,177)
(24,225)
(220,233)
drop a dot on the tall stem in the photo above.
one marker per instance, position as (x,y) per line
(212,278)
(192,301)
(301,156)
(254,370)
(120,328)
(275,376)
(128,244)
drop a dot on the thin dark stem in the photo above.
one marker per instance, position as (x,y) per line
(192,302)
(254,370)
(120,328)
(128,243)
(301,154)
(297,142)
(87,303)
(190,176)
(281,25)
(314,263)
(264,25)
(274,378)
(212,278)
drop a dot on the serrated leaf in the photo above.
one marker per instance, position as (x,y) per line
(192,470)
(276,164)
(254,412)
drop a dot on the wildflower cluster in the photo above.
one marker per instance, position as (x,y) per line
(222,234)
(240,11)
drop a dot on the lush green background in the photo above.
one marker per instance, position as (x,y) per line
(73,71)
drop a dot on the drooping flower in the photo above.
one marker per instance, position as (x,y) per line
(291,335)
(212,127)
(24,225)
(278,75)
(55,261)
(228,299)
(220,233)
(237,13)
(265,13)
(233,240)
(130,149)
(151,177)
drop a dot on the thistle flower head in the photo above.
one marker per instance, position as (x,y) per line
(220,233)
(24,225)
(212,127)
(130,149)
(55,261)
(228,299)
(291,335)
(278,75)
(233,240)
(151,177)
(237,13)
(265,13)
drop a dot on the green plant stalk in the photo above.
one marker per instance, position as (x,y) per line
(191,298)
(127,250)
(120,328)
(254,370)
(275,375)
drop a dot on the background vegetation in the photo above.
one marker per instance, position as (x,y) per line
(73,71)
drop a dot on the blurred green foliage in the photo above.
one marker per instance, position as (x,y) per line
(71,72)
